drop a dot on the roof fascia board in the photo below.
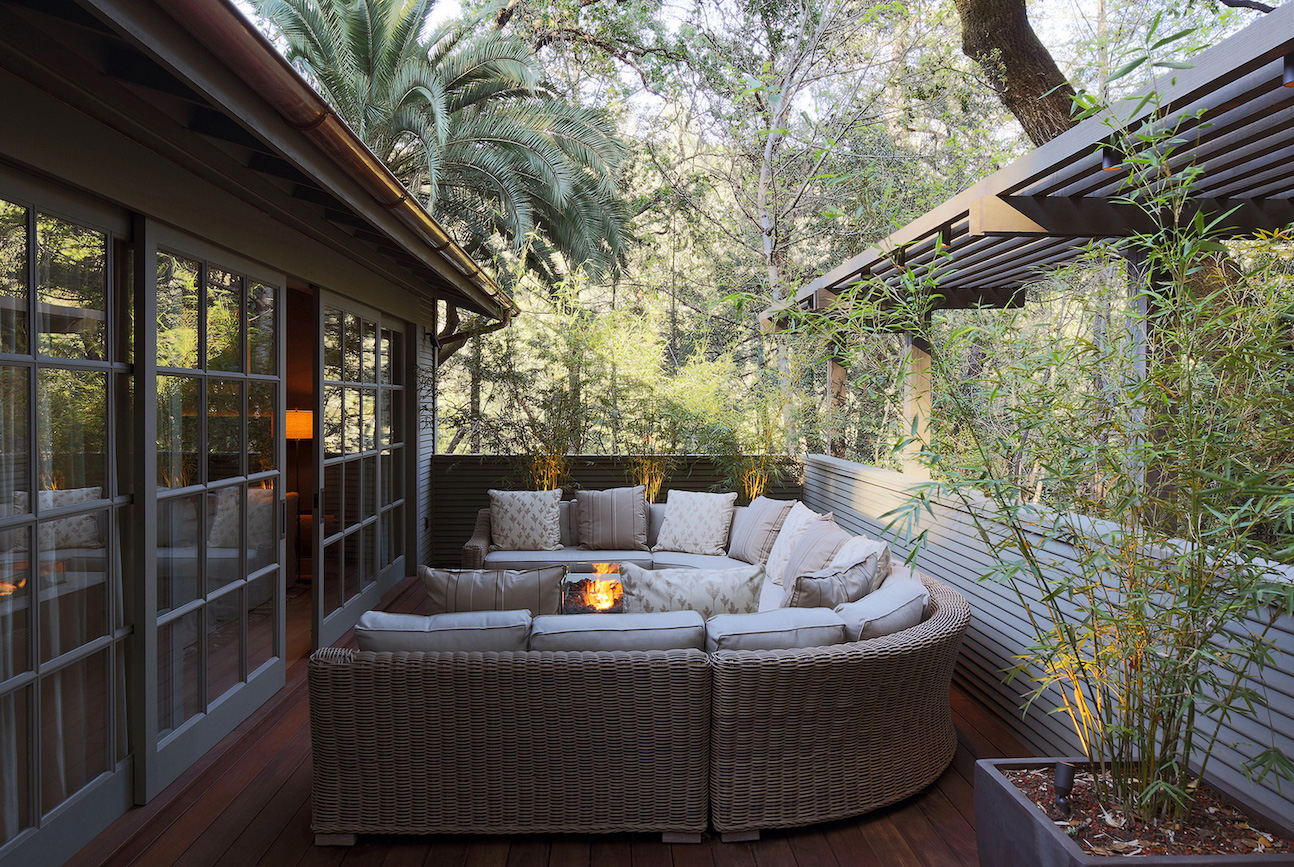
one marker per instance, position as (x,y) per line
(1089,217)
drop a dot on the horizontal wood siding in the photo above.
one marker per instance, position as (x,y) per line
(460,487)
(860,495)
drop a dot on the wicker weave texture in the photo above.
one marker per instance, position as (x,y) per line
(806,736)
(498,743)
(476,547)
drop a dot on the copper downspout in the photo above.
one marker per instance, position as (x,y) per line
(246,51)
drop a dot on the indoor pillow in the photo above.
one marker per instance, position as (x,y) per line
(755,528)
(774,630)
(465,630)
(705,591)
(857,569)
(525,520)
(696,523)
(614,520)
(797,520)
(666,630)
(226,526)
(537,590)
(899,604)
(815,550)
(76,531)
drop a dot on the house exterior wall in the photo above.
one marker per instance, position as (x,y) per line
(859,496)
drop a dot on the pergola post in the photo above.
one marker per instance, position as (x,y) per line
(837,389)
(917,402)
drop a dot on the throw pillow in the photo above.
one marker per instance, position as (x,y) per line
(696,523)
(817,546)
(774,630)
(226,527)
(525,520)
(857,569)
(793,526)
(77,531)
(614,520)
(705,591)
(537,590)
(467,631)
(755,528)
(568,523)
(899,604)
(667,630)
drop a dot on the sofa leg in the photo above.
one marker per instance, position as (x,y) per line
(334,839)
(739,836)
(675,837)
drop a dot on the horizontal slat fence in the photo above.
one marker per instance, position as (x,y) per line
(860,495)
(460,484)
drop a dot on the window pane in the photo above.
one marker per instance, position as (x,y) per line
(369,351)
(260,621)
(73,728)
(13,280)
(15,603)
(352,565)
(334,420)
(384,418)
(368,507)
(351,349)
(368,419)
(224,429)
(71,289)
(385,468)
(397,415)
(72,428)
(397,532)
(260,426)
(177,431)
(370,554)
(351,494)
(354,430)
(72,579)
(224,320)
(333,498)
(332,344)
(224,665)
(15,784)
(331,573)
(177,311)
(262,527)
(178,539)
(262,358)
(177,672)
(384,356)
(225,537)
(397,475)
(397,358)
(15,451)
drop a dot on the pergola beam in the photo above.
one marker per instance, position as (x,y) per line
(1092,217)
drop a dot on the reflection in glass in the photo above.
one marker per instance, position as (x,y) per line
(177,311)
(15,450)
(384,356)
(224,664)
(72,428)
(178,660)
(260,426)
(177,431)
(383,418)
(74,729)
(71,289)
(334,420)
(397,357)
(262,527)
(224,320)
(13,280)
(384,472)
(352,566)
(332,343)
(354,428)
(15,605)
(260,330)
(331,572)
(397,475)
(15,789)
(351,349)
(224,429)
(260,621)
(72,582)
(368,419)
(368,507)
(351,508)
(396,397)
(332,516)
(397,532)
(369,559)
(369,351)
(178,523)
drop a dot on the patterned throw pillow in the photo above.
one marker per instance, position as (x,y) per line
(796,522)
(525,520)
(260,519)
(77,531)
(754,529)
(537,590)
(696,523)
(614,520)
(705,591)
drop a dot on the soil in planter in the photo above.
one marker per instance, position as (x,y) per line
(1215,827)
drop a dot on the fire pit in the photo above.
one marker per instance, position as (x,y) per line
(593,590)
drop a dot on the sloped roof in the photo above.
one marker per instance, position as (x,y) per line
(989,242)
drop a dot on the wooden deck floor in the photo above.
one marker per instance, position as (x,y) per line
(247,802)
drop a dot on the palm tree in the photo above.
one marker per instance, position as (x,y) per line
(463,121)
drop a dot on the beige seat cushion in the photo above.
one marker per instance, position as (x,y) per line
(614,519)
(537,590)
(667,630)
(525,520)
(465,630)
(696,523)
(899,604)
(774,630)
(705,591)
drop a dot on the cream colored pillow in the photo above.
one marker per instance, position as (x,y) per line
(696,523)
(705,591)
(525,520)
(78,531)
(796,522)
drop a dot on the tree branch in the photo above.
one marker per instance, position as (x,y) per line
(1248,4)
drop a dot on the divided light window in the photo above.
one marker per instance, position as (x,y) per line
(65,510)
(218,514)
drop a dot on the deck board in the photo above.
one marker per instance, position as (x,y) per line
(248,803)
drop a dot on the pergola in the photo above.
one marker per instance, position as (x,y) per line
(1233,113)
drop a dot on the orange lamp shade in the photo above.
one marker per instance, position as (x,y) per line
(299,425)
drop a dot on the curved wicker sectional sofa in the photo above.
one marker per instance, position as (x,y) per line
(670,741)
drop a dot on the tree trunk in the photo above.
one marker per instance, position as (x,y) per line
(996,34)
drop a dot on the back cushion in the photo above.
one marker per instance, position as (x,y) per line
(696,523)
(568,523)
(774,630)
(665,631)
(793,526)
(614,520)
(705,591)
(655,518)
(470,631)
(816,548)
(858,568)
(525,520)
(754,529)
(899,604)
(537,590)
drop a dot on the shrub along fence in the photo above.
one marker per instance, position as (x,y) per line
(460,487)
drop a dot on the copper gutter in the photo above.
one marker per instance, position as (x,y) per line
(251,56)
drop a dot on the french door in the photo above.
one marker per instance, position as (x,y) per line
(361,419)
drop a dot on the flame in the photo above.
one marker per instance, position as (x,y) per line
(606,568)
(603,594)
(7,589)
